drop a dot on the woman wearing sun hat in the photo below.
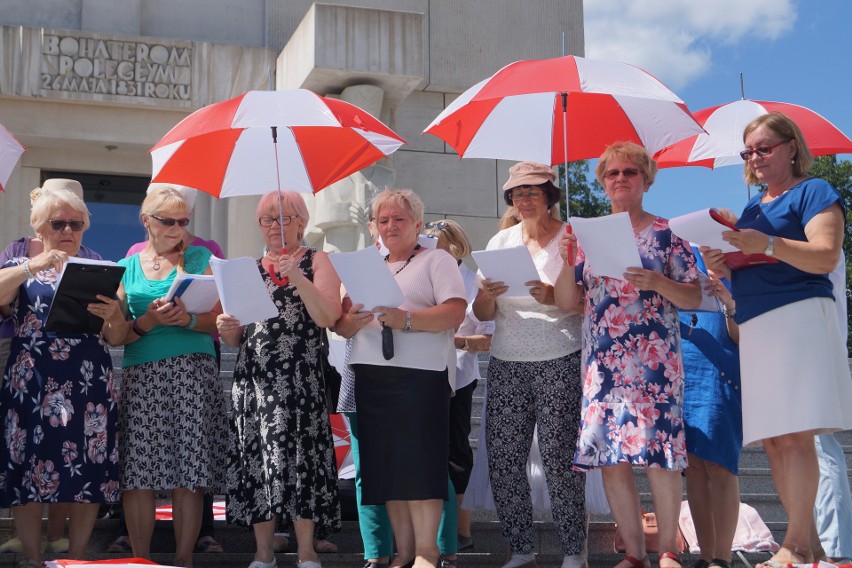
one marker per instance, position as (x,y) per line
(533,376)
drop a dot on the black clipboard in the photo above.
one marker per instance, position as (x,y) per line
(77,287)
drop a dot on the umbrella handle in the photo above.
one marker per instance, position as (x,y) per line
(570,251)
(279,280)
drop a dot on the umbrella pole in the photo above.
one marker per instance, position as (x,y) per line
(568,228)
(280,280)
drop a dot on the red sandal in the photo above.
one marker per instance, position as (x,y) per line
(637,562)
(670,556)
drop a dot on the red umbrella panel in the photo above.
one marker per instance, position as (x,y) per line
(266,140)
(557,110)
(10,152)
(722,141)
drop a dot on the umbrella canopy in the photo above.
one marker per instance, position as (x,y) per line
(226,149)
(10,151)
(557,110)
(722,142)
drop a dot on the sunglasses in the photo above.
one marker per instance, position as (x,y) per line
(59,225)
(521,195)
(628,173)
(438,225)
(269,221)
(170,221)
(763,151)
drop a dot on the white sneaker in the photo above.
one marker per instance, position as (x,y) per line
(259,564)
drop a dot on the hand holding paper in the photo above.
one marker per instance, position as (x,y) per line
(608,243)
(512,267)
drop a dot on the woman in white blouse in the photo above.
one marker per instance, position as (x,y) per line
(533,377)
(403,399)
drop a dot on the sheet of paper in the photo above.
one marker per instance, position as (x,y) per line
(512,266)
(197,292)
(608,243)
(366,278)
(241,289)
(700,228)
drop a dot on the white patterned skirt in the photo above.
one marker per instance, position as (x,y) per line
(173,425)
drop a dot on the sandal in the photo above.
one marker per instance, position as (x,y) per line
(720,563)
(120,545)
(803,553)
(701,563)
(208,544)
(669,556)
(634,562)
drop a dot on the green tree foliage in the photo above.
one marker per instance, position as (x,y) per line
(839,174)
(587,198)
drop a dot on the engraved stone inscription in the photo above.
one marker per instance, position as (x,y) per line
(110,67)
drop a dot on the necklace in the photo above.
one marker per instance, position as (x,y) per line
(156,262)
(414,252)
(639,222)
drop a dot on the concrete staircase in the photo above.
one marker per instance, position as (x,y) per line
(490,548)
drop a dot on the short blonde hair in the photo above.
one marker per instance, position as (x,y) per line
(291,200)
(631,152)
(48,200)
(449,230)
(162,200)
(783,126)
(403,197)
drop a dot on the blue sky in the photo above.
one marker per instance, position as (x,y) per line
(788,50)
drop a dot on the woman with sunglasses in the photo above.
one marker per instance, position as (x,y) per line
(281,466)
(632,411)
(173,417)
(533,376)
(795,374)
(58,403)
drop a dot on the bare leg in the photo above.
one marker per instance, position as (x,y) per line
(623,497)
(304,530)
(465,518)
(699,493)
(263,536)
(726,509)
(795,472)
(425,519)
(139,508)
(83,517)
(186,509)
(667,492)
(403,532)
(57,514)
(28,528)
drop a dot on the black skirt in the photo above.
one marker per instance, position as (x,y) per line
(403,427)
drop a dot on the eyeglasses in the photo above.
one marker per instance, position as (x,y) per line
(628,173)
(521,195)
(170,221)
(59,225)
(763,151)
(269,221)
(438,225)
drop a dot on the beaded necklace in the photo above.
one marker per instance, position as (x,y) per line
(413,253)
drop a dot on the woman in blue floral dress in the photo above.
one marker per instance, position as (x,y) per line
(58,402)
(633,375)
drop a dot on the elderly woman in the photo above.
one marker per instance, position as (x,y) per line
(797,221)
(632,412)
(472,337)
(58,402)
(172,409)
(533,376)
(281,453)
(403,402)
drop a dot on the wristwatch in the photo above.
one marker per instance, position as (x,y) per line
(770,248)
(407,327)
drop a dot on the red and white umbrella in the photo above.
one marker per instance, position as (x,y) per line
(722,142)
(557,110)
(10,151)
(227,149)
(342,446)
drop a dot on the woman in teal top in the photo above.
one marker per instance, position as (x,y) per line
(172,415)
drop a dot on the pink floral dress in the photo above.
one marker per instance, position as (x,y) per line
(59,411)
(633,374)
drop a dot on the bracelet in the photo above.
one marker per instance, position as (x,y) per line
(136,329)
(193,321)
(407,327)
(466,346)
(729,313)
(26,267)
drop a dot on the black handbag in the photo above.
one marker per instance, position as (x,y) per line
(330,377)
